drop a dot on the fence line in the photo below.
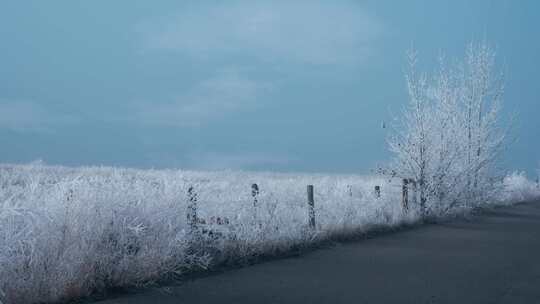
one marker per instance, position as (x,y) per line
(193,220)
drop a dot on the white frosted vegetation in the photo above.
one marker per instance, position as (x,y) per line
(67,233)
(451,134)
(518,188)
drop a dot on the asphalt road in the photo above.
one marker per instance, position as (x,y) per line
(490,258)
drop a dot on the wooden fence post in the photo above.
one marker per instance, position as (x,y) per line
(70,195)
(311,206)
(254,194)
(377,191)
(405,198)
(414,192)
(192,208)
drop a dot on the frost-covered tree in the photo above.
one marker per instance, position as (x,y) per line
(449,137)
(482,89)
(411,142)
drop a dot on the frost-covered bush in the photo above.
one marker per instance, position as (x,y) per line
(518,188)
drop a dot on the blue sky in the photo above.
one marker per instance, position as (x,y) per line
(255,85)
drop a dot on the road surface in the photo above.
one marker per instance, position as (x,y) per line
(490,258)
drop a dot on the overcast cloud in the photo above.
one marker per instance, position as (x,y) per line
(311,32)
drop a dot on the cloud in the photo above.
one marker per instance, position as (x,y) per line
(25,116)
(221,161)
(305,32)
(227,91)
(244,41)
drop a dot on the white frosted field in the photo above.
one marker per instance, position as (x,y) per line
(71,232)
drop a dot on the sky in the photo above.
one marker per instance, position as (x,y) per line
(252,85)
